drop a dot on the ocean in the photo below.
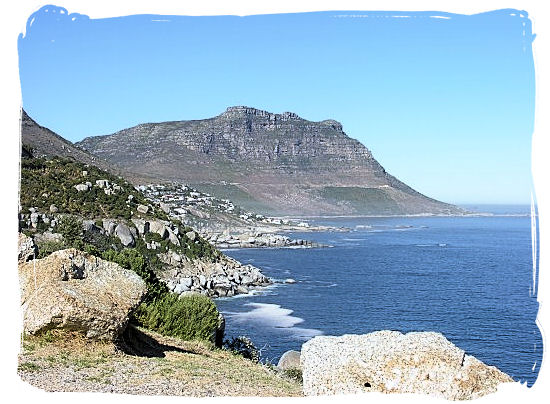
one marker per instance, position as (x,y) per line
(470,278)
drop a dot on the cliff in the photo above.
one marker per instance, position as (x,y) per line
(271,163)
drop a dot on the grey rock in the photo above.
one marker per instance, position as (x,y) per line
(172,237)
(89,226)
(53,208)
(158,227)
(289,360)
(124,235)
(202,280)
(143,209)
(142,226)
(191,235)
(102,183)
(109,226)
(35,217)
(392,362)
(165,207)
(81,187)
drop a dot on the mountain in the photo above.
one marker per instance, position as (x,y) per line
(266,162)
(46,143)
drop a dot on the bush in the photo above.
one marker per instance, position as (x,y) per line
(243,346)
(70,228)
(193,317)
(48,247)
(294,374)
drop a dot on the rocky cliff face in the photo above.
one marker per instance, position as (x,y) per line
(266,162)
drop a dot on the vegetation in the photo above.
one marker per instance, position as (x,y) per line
(192,317)
(244,347)
(52,181)
(363,200)
(73,363)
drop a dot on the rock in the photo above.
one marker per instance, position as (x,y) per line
(158,227)
(202,281)
(165,207)
(191,235)
(81,187)
(289,360)
(89,226)
(220,331)
(124,235)
(73,290)
(34,219)
(109,226)
(84,173)
(392,362)
(102,183)
(143,209)
(48,237)
(53,208)
(26,249)
(184,285)
(241,290)
(172,237)
(142,226)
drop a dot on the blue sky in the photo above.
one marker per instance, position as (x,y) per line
(445,104)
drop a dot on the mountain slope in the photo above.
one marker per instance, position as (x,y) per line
(46,143)
(274,163)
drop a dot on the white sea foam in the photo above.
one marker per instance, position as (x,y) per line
(274,316)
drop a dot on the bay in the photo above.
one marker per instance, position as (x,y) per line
(470,278)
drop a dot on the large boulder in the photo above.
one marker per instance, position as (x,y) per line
(124,235)
(392,362)
(73,290)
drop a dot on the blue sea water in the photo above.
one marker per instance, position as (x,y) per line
(470,278)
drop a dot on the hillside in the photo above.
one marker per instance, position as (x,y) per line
(46,143)
(146,363)
(265,162)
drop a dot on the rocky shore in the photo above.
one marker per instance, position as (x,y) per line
(257,240)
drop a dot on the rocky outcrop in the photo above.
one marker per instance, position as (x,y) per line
(224,278)
(26,249)
(257,240)
(392,362)
(268,163)
(73,290)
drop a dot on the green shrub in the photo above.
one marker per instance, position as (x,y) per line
(243,346)
(294,374)
(193,317)
(48,247)
(70,228)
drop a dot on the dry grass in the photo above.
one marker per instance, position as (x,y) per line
(69,362)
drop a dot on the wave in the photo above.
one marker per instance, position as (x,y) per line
(276,317)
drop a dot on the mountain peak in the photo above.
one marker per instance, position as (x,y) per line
(241,110)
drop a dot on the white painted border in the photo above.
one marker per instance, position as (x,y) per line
(13,22)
